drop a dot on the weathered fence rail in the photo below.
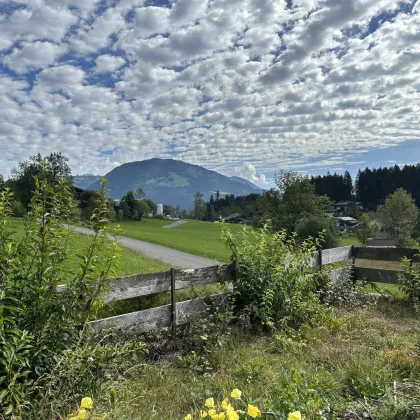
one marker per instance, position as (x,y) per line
(178,313)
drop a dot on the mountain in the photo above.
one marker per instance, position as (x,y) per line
(246,182)
(83,181)
(173,182)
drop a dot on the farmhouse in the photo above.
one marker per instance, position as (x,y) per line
(345,223)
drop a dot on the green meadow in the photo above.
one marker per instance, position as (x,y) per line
(194,237)
(131,262)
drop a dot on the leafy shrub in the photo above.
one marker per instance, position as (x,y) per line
(81,370)
(271,277)
(39,322)
(18,209)
(409,282)
(346,293)
(206,334)
(312,226)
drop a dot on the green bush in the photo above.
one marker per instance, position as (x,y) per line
(313,226)
(409,282)
(18,209)
(271,277)
(37,322)
(81,370)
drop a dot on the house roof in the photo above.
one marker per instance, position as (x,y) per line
(232,216)
(378,243)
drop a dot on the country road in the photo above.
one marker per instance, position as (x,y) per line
(170,256)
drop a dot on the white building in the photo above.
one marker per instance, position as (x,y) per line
(159,210)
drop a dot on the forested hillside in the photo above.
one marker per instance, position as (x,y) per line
(374,185)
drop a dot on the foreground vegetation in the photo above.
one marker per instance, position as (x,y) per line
(290,339)
(345,368)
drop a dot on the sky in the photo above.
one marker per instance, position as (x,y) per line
(243,87)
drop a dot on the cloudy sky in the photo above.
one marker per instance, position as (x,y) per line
(244,87)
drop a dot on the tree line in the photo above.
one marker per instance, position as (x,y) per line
(374,185)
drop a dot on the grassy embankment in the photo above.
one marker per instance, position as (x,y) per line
(350,365)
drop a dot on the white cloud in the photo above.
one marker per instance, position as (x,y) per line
(41,22)
(108,63)
(33,55)
(249,172)
(60,77)
(246,87)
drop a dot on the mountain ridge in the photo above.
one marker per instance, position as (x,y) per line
(170,181)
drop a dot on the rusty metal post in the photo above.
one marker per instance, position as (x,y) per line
(173,302)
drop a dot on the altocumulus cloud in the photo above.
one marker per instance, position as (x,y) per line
(245,87)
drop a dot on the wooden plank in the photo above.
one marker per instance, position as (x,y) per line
(185,279)
(384,254)
(375,275)
(156,318)
(334,255)
(139,285)
(148,284)
(148,319)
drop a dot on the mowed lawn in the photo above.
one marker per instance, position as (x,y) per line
(131,262)
(194,237)
(349,240)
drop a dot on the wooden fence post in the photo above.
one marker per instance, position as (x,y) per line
(173,302)
(320,258)
(353,265)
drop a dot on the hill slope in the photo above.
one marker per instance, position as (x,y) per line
(169,181)
(246,182)
(83,181)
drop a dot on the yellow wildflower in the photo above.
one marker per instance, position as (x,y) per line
(188,417)
(73,418)
(203,414)
(220,416)
(226,405)
(295,416)
(86,402)
(209,403)
(82,414)
(212,412)
(253,411)
(232,415)
(236,394)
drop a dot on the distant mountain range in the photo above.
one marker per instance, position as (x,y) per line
(173,182)
(84,181)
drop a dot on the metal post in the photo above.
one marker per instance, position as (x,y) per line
(173,302)
(320,258)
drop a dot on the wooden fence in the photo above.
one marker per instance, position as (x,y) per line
(182,312)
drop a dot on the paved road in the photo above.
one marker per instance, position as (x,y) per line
(170,256)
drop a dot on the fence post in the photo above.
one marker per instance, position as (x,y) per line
(320,258)
(353,265)
(173,302)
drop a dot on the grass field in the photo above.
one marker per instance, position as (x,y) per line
(350,366)
(194,237)
(131,262)
(349,240)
